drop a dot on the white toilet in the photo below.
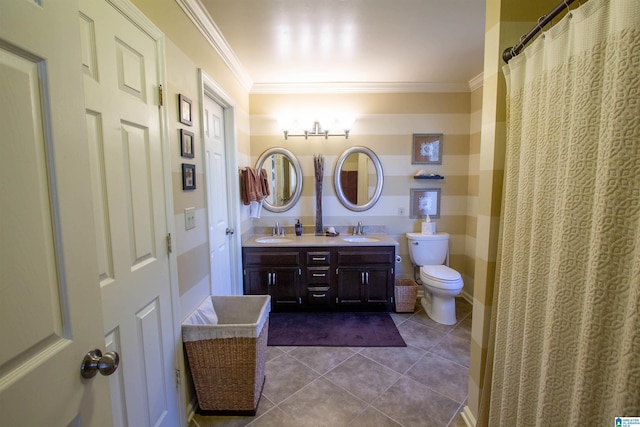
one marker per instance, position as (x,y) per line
(441,283)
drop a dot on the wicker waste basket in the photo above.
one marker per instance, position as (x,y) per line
(226,344)
(406,293)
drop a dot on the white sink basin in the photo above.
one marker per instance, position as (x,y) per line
(360,239)
(273,240)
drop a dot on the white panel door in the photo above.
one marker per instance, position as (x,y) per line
(50,312)
(121,63)
(219,229)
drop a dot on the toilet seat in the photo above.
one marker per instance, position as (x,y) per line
(441,276)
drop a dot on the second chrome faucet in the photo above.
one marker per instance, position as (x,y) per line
(358,230)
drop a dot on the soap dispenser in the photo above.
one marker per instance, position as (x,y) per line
(298,228)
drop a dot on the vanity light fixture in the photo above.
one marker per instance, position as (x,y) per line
(317,131)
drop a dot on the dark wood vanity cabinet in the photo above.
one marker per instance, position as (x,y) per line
(320,278)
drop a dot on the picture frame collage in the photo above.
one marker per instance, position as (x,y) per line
(187,142)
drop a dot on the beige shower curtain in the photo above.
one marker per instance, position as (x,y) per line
(566,325)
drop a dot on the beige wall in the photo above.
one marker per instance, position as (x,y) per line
(384,123)
(506,21)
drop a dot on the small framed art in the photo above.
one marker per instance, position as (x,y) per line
(188,177)
(186,144)
(184,110)
(425,201)
(427,149)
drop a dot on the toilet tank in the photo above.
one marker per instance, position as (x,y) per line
(428,249)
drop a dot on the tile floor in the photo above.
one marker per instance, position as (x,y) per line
(423,384)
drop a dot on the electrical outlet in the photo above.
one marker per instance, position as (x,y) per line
(189,218)
(401,212)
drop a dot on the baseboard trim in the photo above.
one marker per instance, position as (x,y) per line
(467,297)
(468,417)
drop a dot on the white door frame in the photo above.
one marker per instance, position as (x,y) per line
(209,88)
(141,20)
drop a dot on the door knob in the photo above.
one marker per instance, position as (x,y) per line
(95,362)
(230,231)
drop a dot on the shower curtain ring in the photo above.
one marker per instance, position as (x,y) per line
(539,23)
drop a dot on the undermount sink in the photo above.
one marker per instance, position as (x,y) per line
(360,239)
(273,240)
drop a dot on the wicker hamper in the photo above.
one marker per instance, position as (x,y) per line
(406,293)
(227,352)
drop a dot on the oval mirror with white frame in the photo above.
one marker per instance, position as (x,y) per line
(285,179)
(358,178)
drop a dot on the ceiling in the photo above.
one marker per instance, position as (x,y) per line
(418,45)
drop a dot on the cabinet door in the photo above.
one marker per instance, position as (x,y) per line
(285,287)
(370,285)
(350,285)
(256,281)
(376,288)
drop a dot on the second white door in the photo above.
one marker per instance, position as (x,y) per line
(220,229)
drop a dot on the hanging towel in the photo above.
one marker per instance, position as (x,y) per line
(254,186)
(251,191)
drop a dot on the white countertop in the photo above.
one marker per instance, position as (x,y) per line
(312,240)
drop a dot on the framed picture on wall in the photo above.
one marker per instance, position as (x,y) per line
(186,144)
(427,149)
(184,110)
(425,201)
(188,177)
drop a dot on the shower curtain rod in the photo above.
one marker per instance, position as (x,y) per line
(511,52)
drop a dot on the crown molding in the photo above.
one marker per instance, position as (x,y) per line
(204,23)
(370,87)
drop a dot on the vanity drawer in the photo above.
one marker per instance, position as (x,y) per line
(271,258)
(318,295)
(318,275)
(364,256)
(318,258)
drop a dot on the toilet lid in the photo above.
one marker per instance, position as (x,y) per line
(441,273)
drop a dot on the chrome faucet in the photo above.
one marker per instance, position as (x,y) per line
(359,229)
(277,230)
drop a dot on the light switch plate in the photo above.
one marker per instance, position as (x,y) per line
(189,218)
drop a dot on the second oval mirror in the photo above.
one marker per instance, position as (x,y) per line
(358,178)
(285,179)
